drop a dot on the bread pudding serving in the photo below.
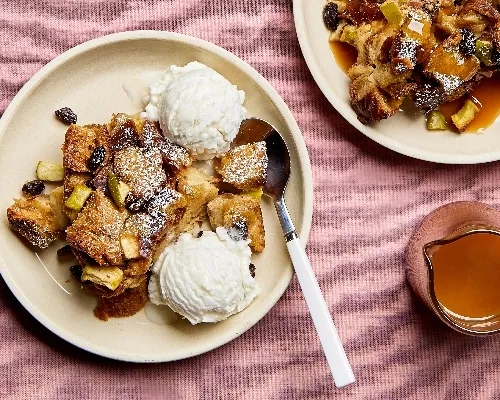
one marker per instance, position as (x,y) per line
(131,200)
(430,52)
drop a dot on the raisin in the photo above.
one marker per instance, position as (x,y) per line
(76,271)
(97,158)
(495,56)
(251,267)
(331,16)
(64,251)
(200,234)
(134,205)
(468,43)
(33,188)
(66,115)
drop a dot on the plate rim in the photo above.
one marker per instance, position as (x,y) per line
(303,157)
(347,113)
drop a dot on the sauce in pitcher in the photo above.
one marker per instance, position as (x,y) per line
(467,276)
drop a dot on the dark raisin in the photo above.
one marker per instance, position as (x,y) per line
(66,115)
(97,158)
(331,16)
(64,251)
(495,56)
(468,43)
(134,205)
(200,234)
(33,188)
(252,270)
(76,271)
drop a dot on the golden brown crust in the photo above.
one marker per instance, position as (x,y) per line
(239,212)
(96,230)
(369,102)
(35,220)
(198,189)
(244,167)
(140,169)
(126,304)
(175,157)
(79,143)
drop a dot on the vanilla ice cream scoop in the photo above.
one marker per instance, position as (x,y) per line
(197,108)
(205,279)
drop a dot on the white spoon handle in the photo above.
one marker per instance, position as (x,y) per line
(328,335)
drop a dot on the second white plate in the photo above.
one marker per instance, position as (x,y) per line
(402,133)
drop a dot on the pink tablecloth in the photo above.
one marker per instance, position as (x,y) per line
(368,201)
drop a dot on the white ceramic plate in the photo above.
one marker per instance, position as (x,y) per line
(402,133)
(89,79)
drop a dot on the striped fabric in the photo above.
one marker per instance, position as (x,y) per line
(367,202)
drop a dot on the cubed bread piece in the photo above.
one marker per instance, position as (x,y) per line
(145,230)
(141,170)
(79,144)
(244,167)
(198,189)
(96,230)
(126,304)
(241,216)
(35,220)
(123,132)
(175,157)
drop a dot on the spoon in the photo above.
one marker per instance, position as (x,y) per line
(278,172)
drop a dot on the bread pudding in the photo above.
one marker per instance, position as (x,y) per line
(429,52)
(127,193)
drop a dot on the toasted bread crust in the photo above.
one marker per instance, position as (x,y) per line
(128,303)
(79,143)
(35,220)
(239,212)
(244,167)
(96,230)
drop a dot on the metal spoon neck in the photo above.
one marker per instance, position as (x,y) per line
(285,219)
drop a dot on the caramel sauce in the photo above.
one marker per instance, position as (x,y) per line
(363,11)
(345,55)
(467,276)
(486,95)
(451,63)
